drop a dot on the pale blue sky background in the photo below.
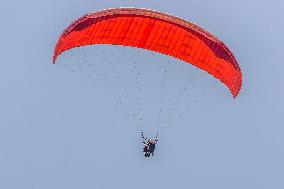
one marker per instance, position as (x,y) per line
(60,128)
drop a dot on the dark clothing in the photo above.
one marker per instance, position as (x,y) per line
(147,154)
(145,148)
(152,147)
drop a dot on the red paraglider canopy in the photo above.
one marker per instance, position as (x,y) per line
(158,32)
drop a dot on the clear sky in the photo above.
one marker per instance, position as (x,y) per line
(64,126)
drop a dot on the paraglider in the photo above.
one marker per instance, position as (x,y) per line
(149,145)
(159,32)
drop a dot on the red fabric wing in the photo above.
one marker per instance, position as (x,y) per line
(156,32)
